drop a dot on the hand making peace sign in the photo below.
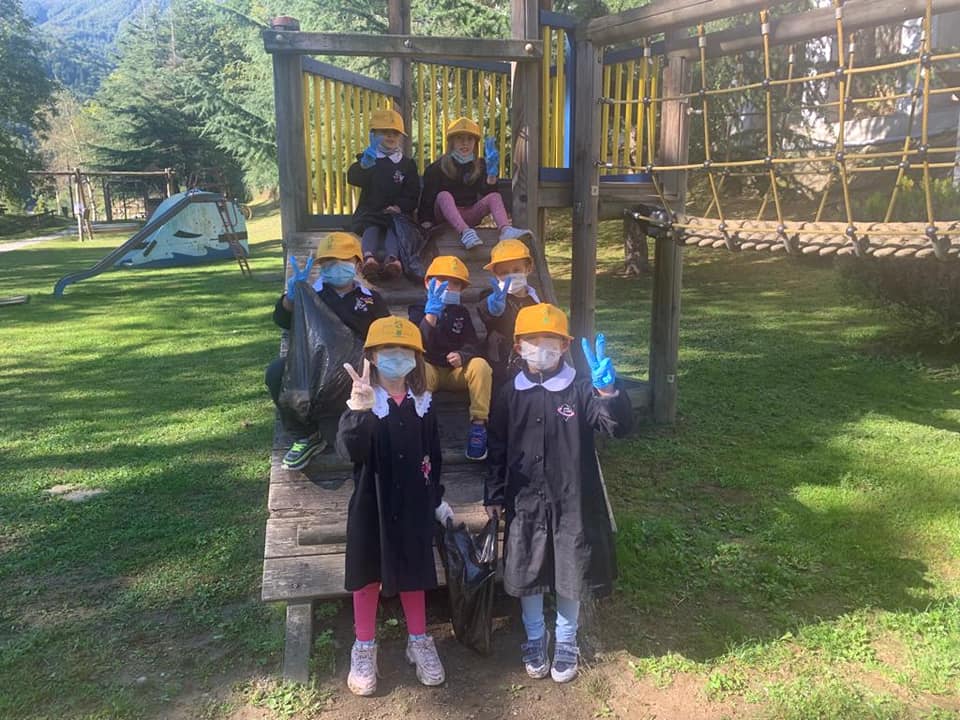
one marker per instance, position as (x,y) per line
(361,394)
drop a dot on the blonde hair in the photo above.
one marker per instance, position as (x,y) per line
(416,379)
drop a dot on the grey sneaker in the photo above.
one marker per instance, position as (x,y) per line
(423,653)
(565,661)
(470,239)
(299,454)
(362,679)
(509,232)
(535,659)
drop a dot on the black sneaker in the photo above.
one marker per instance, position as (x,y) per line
(299,454)
(566,658)
(535,659)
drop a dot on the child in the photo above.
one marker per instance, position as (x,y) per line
(389,185)
(544,474)
(511,263)
(357,306)
(461,189)
(390,435)
(452,346)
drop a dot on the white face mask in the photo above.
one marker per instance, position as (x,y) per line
(395,363)
(543,356)
(518,283)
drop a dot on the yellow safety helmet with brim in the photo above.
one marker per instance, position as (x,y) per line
(387,120)
(394,331)
(540,319)
(507,250)
(339,246)
(449,266)
(465,126)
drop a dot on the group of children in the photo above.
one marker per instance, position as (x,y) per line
(537,434)
(459,189)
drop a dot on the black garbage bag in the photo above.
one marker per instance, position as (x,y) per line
(470,562)
(319,344)
(412,243)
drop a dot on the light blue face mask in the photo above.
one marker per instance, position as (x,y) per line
(451,297)
(463,158)
(395,363)
(338,274)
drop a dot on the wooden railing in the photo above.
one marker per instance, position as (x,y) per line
(557,73)
(628,123)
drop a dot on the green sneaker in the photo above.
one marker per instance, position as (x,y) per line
(299,454)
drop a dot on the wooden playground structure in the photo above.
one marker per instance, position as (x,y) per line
(595,116)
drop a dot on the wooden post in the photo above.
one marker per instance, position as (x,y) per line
(665,320)
(586,191)
(80,206)
(168,176)
(107,200)
(299,639)
(525,120)
(400,75)
(291,159)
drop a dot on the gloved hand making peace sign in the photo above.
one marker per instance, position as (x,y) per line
(361,394)
(492,157)
(601,367)
(435,290)
(297,275)
(497,300)
(369,157)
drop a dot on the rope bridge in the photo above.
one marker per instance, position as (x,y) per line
(931,237)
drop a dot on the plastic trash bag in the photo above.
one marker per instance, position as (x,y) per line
(319,344)
(411,242)
(470,562)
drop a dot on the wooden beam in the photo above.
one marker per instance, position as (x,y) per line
(857,15)
(586,192)
(291,158)
(400,73)
(663,16)
(665,311)
(335,72)
(299,639)
(414,47)
(525,120)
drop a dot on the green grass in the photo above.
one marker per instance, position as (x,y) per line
(793,543)
(800,523)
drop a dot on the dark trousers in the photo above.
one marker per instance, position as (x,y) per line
(274,381)
(374,236)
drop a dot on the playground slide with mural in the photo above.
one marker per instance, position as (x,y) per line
(186,228)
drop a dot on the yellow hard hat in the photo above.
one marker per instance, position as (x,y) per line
(463,125)
(387,120)
(394,331)
(449,266)
(339,245)
(541,318)
(507,250)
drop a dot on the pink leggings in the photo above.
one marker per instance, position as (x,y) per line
(460,218)
(366,600)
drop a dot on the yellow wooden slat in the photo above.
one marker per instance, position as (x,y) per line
(617,94)
(628,111)
(641,109)
(559,101)
(489,85)
(504,111)
(652,125)
(547,92)
(421,149)
(317,146)
(338,134)
(360,135)
(328,146)
(471,110)
(605,121)
(445,96)
(433,114)
(305,79)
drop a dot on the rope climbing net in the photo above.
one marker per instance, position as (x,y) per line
(930,237)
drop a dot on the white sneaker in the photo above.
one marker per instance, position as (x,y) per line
(470,239)
(509,232)
(362,679)
(535,658)
(423,653)
(565,662)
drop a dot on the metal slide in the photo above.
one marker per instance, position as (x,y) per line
(181,247)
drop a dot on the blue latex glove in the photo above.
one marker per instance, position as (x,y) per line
(497,300)
(297,275)
(601,367)
(435,291)
(369,157)
(492,157)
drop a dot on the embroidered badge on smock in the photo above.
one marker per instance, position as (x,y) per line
(425,468)
(566,412)
(457,328)
(398,177)
(363,303)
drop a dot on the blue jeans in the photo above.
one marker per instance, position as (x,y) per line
(568,613)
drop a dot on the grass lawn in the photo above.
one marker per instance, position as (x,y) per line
(16,227)
(791,547)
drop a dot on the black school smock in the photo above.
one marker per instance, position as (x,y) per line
(356,309)
(454,332)
(498,345)
(385,183)
(544,472)
(465,193)
(395,453)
